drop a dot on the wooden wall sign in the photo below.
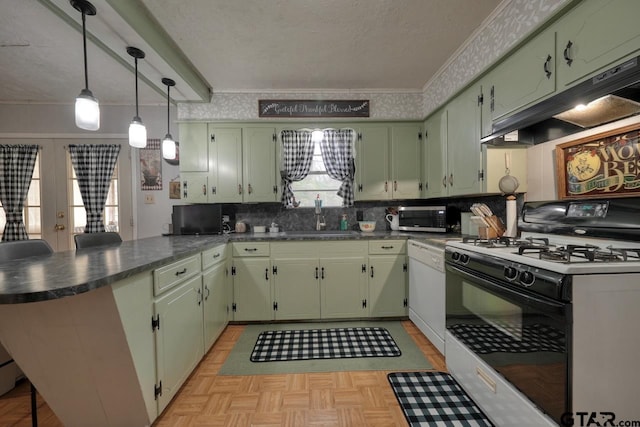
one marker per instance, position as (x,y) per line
(313,109)
(603,165)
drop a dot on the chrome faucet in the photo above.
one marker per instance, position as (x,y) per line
(320,222)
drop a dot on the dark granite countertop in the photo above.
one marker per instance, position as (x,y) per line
(68,273)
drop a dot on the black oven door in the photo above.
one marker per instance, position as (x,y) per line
(524,337)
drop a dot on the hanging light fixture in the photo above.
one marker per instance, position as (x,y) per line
(168,144)
(137,130)
(87,107)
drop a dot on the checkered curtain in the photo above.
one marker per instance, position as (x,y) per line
(338,157)
(297,154)
(94,166)
(16,170)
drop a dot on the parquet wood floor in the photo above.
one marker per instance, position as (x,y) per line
(357,398)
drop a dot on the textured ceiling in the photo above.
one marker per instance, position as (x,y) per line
(242,45)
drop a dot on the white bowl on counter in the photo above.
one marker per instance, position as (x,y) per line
(259,229)
(367,226)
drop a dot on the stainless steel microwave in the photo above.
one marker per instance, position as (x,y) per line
(423,218)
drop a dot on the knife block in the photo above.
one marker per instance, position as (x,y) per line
(487,233)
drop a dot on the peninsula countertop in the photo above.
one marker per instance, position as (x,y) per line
(69,273)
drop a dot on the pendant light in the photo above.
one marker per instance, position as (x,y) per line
(137,130)
(168,144)
(87,108)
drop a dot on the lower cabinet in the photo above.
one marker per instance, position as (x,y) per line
(215,305)
(296,288)
(343,289)
(179,343)
(388,278)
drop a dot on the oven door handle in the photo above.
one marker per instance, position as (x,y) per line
(539,302)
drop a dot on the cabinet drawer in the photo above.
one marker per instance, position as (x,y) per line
(381,247)
(241,249)
(166,277)
(502,402)
(213,256)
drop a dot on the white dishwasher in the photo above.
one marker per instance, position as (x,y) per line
(427,291)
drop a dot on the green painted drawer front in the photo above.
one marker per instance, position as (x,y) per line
(250,249)
(166,277)
(387,247)
(214,256)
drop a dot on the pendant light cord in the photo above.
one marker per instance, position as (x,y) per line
(84,45)
(136,62)
(168,122)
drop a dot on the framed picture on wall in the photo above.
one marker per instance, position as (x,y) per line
(600,166)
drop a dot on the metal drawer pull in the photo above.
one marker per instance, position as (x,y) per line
(206,297)
(181,272)
(567,53)
(486,379)
(266,274)
(386,247)
(547,71)
(216,255)
(317,272)
(199,296)
(250,249)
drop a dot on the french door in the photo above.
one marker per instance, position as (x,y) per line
(57,212)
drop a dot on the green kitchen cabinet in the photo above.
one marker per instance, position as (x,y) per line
(343,289)
(522,79)
(179,343)
(251,271)
(463,144)
(194,187)
(225,165)
(259,175)
(214,293)
(194,147)
(388,278)
(406,161)
(435,155)
(296,285)
(372,163)
(585,45)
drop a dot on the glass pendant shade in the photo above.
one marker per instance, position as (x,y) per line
(87,111)
(137,133)
(168,147)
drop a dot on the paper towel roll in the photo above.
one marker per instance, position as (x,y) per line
(512,218)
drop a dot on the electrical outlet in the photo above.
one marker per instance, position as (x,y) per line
(149,199)
(359,216)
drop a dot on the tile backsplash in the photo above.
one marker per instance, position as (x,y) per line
(301,219)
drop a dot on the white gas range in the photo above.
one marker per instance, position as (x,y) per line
(555,312)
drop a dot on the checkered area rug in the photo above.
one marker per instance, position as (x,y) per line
(485,339)
(435,399)
(305,344)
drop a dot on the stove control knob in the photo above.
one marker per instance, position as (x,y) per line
(464,259)
(455,256)
(510,273)
(527,278)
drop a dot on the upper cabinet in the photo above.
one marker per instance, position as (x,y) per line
(388,162)
(523,78)
(593,35)
(434,160)
(221,164)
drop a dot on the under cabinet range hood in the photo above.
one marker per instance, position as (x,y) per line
(609,96)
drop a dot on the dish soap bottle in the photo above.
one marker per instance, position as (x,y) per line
(343,223)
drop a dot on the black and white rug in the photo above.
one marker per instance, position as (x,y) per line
(306,344)
(435,399)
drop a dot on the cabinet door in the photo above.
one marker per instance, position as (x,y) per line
(296,288)
(387,285)
(194,187)
(194,147)
(463,144)
(259,165)
(524,77)
(372,164)
(435,155)
(179,344)
(343,287)
(252,289)
(214,297)
(406,161)
(595,35)
(225,155)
